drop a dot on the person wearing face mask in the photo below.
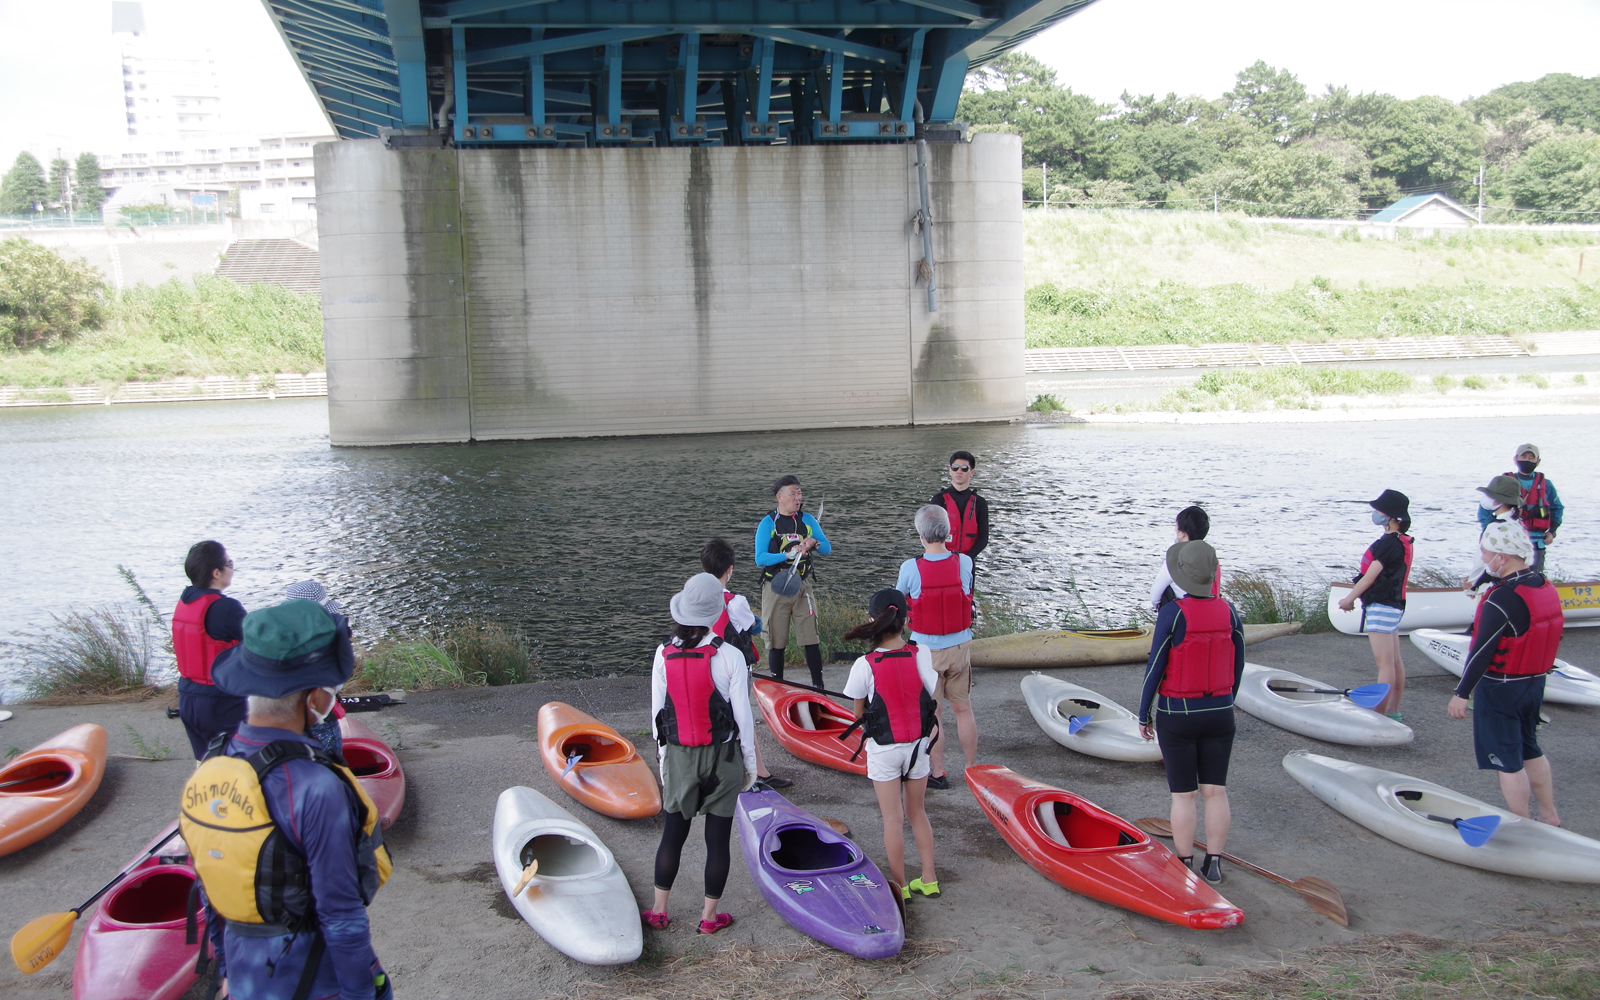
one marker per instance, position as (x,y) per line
(1500,501)
(786,537)
(1381,588)
(1515,638)
(968,512)
(1539,508)
(1193,524)
(287,909)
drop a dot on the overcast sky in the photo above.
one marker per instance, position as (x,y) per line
(59,86)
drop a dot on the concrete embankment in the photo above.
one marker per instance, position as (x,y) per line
(445,929)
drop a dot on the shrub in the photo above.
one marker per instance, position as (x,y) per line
(1262,600)
(1443,384)
(1046,403)
(462,655)
(409,664)
(1475,382)
(45,299)
(1534,379)
(102,651)
(490,652)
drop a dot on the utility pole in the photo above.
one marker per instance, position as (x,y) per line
(1044,171)
(1480,192)
(1216,203)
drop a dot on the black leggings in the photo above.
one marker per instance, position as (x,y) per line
(719,829)
(813,663)
(1196,748)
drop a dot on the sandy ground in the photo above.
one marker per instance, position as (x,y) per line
(445,929)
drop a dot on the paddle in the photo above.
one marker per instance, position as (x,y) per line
(527,876)
(41,940)
(1077,722)
(579,750)
(1475,830)
(1367,695)
(368,702)
(787,581)
(797,684)
(1318,893)
(38,777)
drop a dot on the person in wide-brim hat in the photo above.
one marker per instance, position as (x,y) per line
(287,648)
(1380,586)
(1501,498)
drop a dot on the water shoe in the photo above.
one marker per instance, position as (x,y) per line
(1211,869)
(929,889)
(712,926)
(941,781)
(653,919)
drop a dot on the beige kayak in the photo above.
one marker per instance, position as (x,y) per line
(1049,648)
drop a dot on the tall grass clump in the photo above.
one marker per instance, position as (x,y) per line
(104,650)
(467,654)
(836,615)
(1264,600)
(1283,388)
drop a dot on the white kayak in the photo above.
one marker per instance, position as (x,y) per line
(1394,805)
(1112,732)
(1452,607)
(1285,699)
(1567,684)
(579,900)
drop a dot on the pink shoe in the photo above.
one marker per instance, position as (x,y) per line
(657,920)
(712,926)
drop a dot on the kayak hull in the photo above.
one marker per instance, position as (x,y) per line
(781,706)
(1391,805)
(580,901)
(818,881)
(1113,733)
(68,769)
(1454,608)
(376,766)
(1048,649)
(1572,686)
(1330,717)
(133,947)
(611,778)
(1104,856)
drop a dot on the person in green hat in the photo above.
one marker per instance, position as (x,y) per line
(1499,501)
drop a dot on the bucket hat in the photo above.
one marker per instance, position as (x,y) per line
(699,603)
(288,647)
(1193,566)
(1509,538)
(311,590)
(1503,489)
(1393,503)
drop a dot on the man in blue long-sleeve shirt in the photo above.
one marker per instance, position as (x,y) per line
(787,539)
(1541,509)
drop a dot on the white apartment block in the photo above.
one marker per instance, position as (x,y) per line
(265,177)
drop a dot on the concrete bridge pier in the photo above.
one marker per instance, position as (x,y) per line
(484,294)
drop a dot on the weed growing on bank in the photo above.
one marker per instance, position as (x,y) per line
(1283,388)
(104,650)
(463,655)
(1264,600)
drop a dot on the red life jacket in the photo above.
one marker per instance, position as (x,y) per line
(1534,651)
(193,647)
(1202,664)
(1534,513)
(963,526)
(942,606)
(723,628)
(696,714)
(901,709)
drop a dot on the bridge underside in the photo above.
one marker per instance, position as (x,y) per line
(485,73)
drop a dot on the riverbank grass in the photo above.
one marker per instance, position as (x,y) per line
(102,651)
(467,654)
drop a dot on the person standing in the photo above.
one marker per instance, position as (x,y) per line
(893,690)
(1381,588)
(326,732)
(1539,509)
(968,512)
(1196,664)
(203,625)
(1515,638)
(1193,524)
(1500,500)
(293,900)
(938,586)
(787,538)
(700,715)
(738,626)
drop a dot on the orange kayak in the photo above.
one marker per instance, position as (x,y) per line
(782,705)
(606,773)
(376,767)
(1079,846)
(55,779)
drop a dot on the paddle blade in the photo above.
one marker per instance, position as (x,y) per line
(1322,897)
(1155,827)
(527,876)
(41,940)
(1477,830)
(1369,695)
(1077,722)
(572,762)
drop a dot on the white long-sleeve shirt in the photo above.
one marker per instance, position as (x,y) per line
(1161,584)
(732,680)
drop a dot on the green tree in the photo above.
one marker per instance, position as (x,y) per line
(45,298)
(1560,98)
(23,186)
(1427,143)
(1272,99)
(60,182)
(1561,176)
(88,195)
(1018,93)
(1319,179)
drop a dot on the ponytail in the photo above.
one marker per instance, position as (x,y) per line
(875,630)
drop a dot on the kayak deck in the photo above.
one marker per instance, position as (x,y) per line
(134,947)
(595,764)
(782,707)
(58,778)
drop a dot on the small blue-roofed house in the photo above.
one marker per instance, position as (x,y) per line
(1426,210)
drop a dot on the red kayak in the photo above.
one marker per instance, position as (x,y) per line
(1076,844)
(782,705)
(376,767)
(133,947)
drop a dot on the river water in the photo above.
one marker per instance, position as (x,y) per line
(580,542)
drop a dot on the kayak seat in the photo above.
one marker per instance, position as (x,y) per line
(41,774)
(821,719)
(160,898)
(800,849)
(1050,820)
(560,855)
(1077,829)
(365,762)
(596,749)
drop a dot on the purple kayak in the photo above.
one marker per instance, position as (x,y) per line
(820,882)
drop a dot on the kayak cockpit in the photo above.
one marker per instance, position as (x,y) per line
(818,715)
(561,856)
(367,762)
(808,849)
(1424,802)
(1071,707)
(595,748)
(38,775)
(1068,825)
(159,897)
(1115,633)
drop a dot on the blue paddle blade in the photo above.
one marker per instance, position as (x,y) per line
(572,762)
(1477,830)
(1077,722)
(1369,695)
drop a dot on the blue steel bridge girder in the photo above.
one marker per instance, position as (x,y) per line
(728,70)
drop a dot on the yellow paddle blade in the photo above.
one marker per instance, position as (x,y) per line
(38,943)
(527,876)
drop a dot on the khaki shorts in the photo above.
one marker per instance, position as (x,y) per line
(779,614)
(954,667)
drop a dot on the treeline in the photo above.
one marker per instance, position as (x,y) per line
(1270,147)
(26,190)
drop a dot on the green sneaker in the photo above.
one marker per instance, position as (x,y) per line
(905,893)
(1396,716)
(929,889)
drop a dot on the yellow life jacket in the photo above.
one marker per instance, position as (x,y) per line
(251,873)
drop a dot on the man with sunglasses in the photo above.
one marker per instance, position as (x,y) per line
(968,512)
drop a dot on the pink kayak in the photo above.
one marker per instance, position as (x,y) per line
(376,767)
(133,946)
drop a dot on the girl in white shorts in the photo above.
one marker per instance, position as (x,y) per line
(893,689)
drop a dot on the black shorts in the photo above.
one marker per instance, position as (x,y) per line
(1195,748)
(1505,722)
